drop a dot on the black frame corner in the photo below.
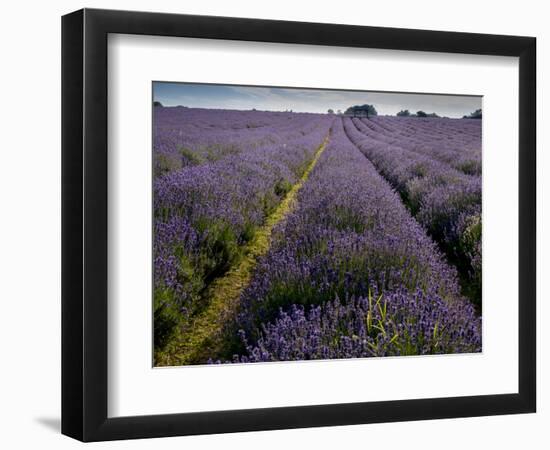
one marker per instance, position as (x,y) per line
(84,224)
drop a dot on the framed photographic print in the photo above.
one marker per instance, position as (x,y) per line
(273,224)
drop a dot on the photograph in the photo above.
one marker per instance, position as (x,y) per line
(296,224)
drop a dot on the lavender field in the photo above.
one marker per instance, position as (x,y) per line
(283,236)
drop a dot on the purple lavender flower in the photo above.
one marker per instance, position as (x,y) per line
(396,323)
(350,235)
(435,165)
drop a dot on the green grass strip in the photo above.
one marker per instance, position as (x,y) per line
(203,338)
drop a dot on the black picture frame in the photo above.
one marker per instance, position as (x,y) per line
(84,224)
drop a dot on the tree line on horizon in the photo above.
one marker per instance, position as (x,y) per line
(407,113)
(370,110)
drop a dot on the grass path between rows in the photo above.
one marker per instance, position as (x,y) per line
(203,338)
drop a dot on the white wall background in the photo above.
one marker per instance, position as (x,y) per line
(30,223)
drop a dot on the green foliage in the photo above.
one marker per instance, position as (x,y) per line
(346,219)
(248,232)
(423,114)
(209,153)
(157,103)
(301,168)
(470,167)
(282,187)
(215,152)
(269,202)
(414,192)
(477,114)
(299,292)
(404,113)
(365,109)
(189,157)
(419,170)
(219,251)
(165,163)
(471,235)
(348,279)
(166,317)
(189,273)
(220,248)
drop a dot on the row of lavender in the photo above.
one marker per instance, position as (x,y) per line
(443,199)
(205,213)
(193,136)
(351,274)
(451,141)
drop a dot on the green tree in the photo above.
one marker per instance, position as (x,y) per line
(362,110)
(475,115)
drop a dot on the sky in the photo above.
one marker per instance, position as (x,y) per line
(307,100)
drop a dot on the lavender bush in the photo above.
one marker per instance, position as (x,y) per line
(398,323)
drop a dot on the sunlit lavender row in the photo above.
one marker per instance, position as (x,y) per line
(350,273)
(190,136)
(444,200)
(454,142)
(205,213)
